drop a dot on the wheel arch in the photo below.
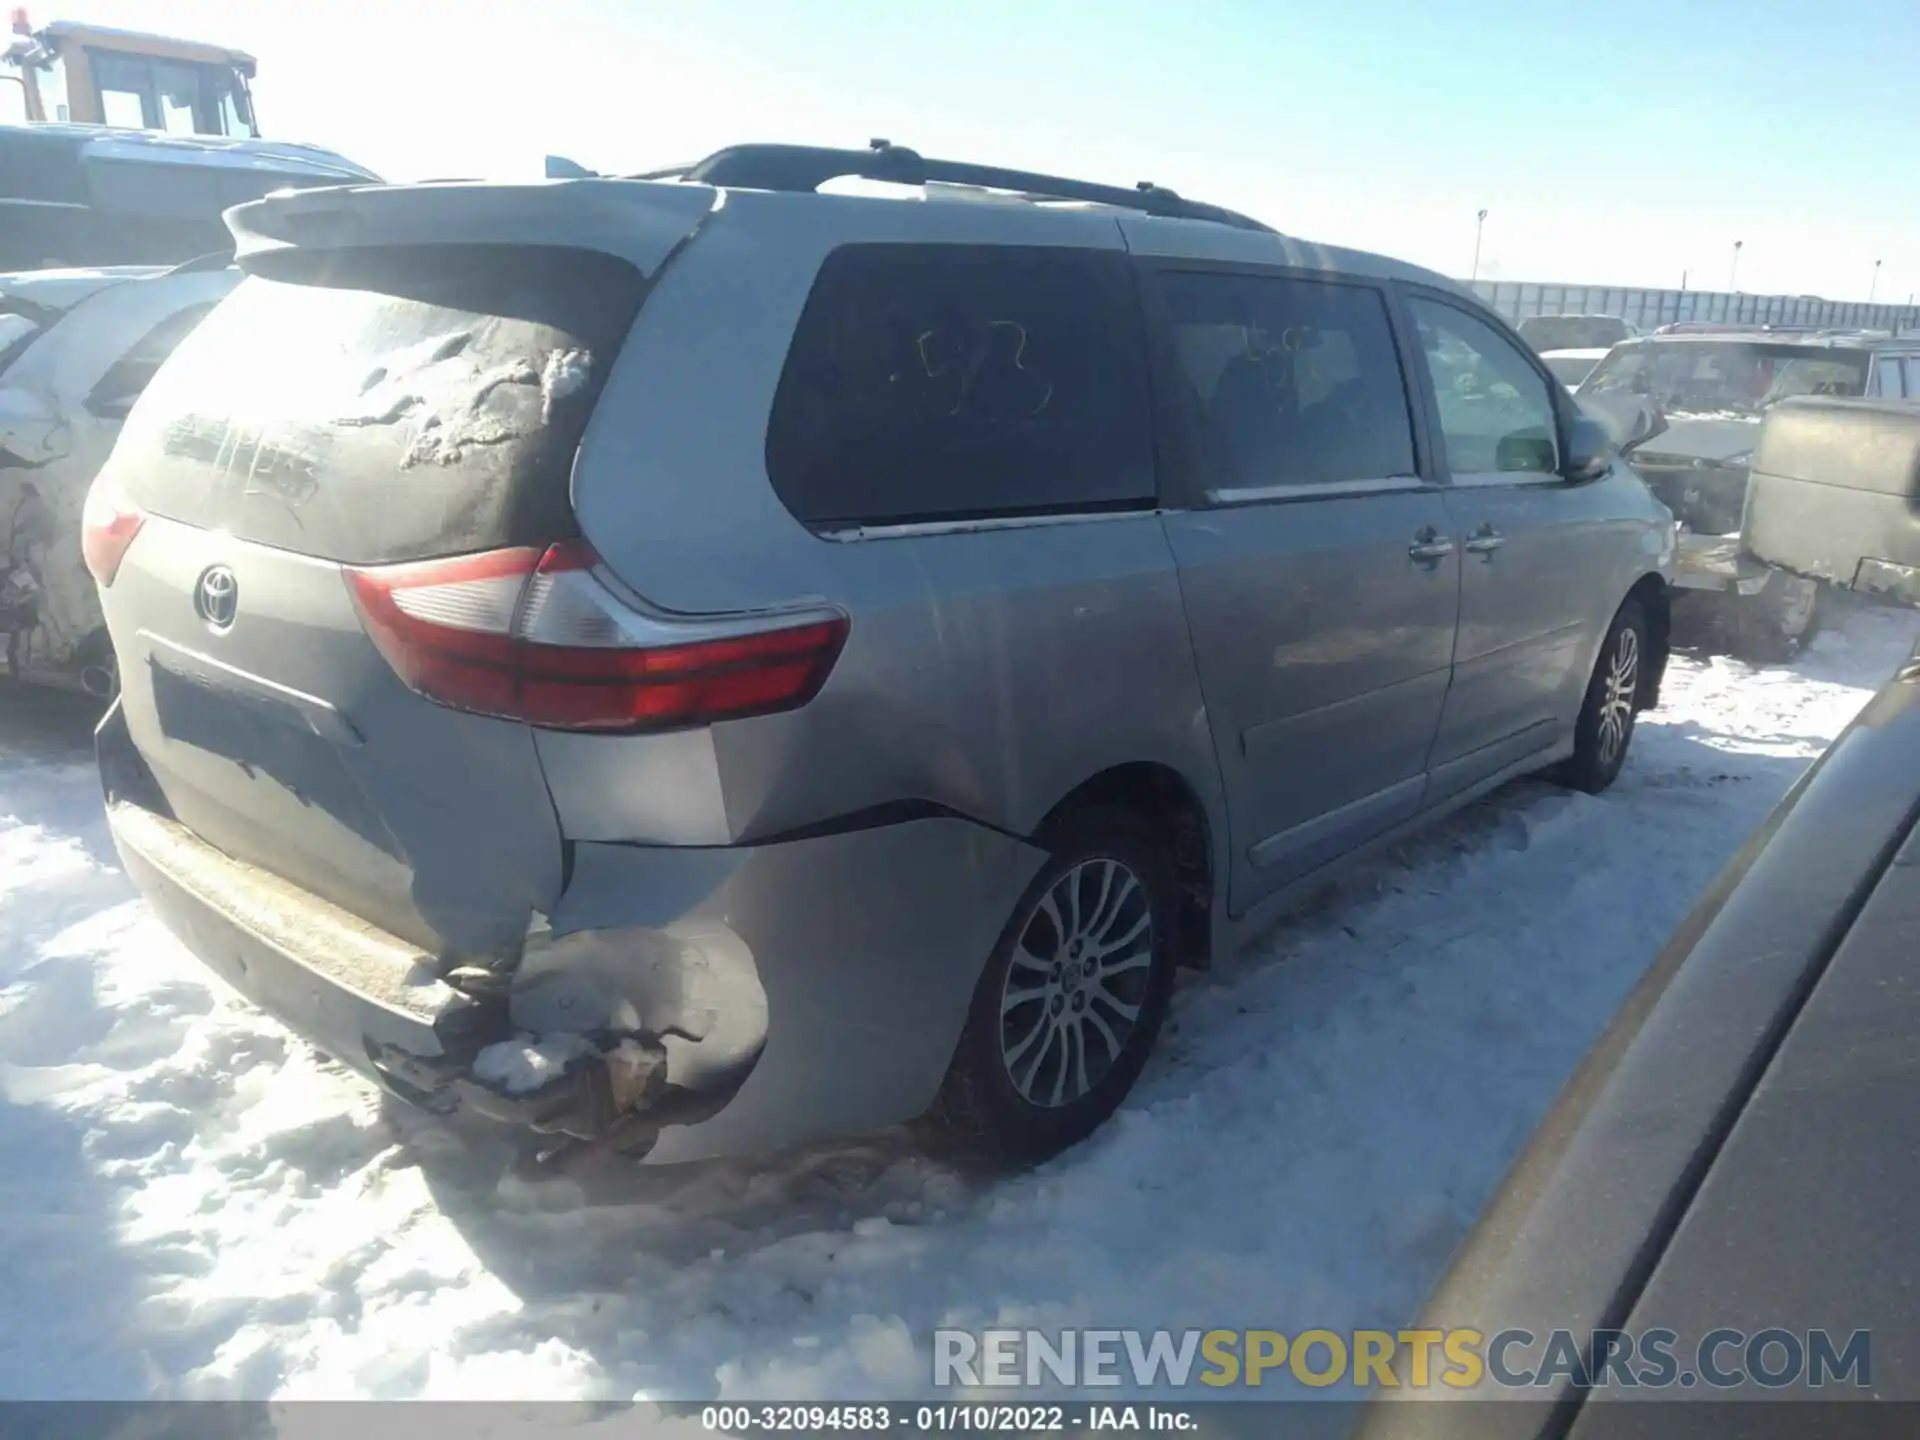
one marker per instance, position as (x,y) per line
(1655,598)
(1172,804)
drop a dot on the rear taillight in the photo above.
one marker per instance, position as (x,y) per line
(536,636)
(108,524)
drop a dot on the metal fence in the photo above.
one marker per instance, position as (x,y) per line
(1649,309)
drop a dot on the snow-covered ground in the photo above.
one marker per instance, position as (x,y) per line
(192,1204)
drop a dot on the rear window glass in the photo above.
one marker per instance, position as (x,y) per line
(1732,378)
(947,382)
(377,405)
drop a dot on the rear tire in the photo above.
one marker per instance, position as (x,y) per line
(1071,1001)
(1604,732)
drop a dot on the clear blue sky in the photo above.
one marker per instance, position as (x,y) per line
(1616,141)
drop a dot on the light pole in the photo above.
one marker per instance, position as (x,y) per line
(1479,225)
(1874,289)
(1733,275)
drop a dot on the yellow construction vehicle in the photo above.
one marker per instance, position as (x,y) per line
(70,72)
(118,148)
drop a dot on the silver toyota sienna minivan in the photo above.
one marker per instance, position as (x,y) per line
(696,664)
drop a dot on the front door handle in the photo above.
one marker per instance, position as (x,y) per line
(1430,547)
(1485,541)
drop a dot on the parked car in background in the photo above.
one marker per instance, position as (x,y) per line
(1575,332)
(1570,367)
(77,347)
(1835,492)
(698,666)
(1714,391)
(1735,1155)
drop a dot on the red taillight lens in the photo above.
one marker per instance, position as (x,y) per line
(536,637)
(107,527)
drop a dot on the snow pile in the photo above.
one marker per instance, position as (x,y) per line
(565,373)
(522,1065)
(193,1204)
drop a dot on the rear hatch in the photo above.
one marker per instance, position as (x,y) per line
(1835,494)
(331,502)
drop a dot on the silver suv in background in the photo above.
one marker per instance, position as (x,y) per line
(697,664)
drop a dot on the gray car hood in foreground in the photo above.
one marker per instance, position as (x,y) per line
(1737,1150)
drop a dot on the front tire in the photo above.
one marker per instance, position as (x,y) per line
(1071,1001)
(1604,731)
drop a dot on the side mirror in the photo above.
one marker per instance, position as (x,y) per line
(1589,449)
(1524,453)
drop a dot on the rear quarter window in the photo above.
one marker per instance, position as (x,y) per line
(377,405)
(953,382)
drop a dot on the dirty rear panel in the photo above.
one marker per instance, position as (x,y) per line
(376,404)
(1835,494)
(287,741)
(398,403)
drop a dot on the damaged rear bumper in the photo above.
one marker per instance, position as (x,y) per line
(721,1001)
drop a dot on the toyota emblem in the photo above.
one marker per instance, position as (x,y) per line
(217,597)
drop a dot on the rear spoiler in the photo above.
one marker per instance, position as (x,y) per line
(641,223)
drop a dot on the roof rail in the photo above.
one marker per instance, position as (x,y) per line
(805,167)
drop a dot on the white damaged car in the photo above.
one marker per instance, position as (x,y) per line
(77,347)
(1570,367)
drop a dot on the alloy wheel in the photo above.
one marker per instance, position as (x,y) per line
(1081,973)
(1616,702)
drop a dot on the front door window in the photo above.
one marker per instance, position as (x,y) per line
(1496,413)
